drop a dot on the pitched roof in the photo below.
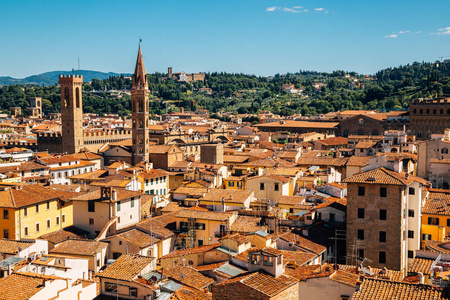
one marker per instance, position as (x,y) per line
(232,196)
(96,195)
(189,251)
(322,161)
(188,276)
(422,265)
(382,289)
(19,286)
(204,215)
(247,224)
(302,242)
(127,267)
(12,246)
(438,202)
(153,173)
(187,293)
(382,176)
(31,194)
(136,237)
(64,234)
(79,247)
(158,225)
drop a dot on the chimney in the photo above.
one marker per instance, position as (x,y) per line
(421,278)
(407,176)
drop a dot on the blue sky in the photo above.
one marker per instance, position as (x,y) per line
(262,37)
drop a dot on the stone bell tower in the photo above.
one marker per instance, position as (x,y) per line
(140,114)
(71,113)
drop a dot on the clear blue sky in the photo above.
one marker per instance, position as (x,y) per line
(262,37)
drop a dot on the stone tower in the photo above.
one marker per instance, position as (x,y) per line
(71,113)
(35,107)
(140,116)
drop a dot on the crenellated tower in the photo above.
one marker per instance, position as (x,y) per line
(140,114)
(71,113)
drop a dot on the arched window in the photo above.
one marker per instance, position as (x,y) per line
(38,104)
(77,97)
(66,98)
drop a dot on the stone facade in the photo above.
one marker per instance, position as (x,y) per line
(361,125)
(371,224)
(211,154)
(428,116)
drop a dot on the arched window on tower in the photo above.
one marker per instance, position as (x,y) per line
(66,97)
(77,97)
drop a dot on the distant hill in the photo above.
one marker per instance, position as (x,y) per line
(50,78)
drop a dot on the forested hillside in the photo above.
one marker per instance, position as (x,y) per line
(388,89)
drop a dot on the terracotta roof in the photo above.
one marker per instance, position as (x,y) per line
(187,293)
(19,286)
(382,176)
(298,258)
(247,224)
(153,173)
(437,246)
(298,124)
(161,149)
(192,192)
(204,215)
(437,203)
(309,271)
(232,196)
(382,289)
(79,247)
(334,141)
(302,242)
(290,200)
(127,267)
(188,276)
(322,161)
(239,238)
(157,225)
(422,265)
(86,156)
(31,194)
(96,195)
(195,250)
(136,237)
(64,234)
(265,284)
(365,144)
(345,277)
(12,247)
(58,159)
(210,267)
(25,166)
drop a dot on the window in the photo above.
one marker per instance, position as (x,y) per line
(5,214)
(412,191)
(57,221)
(360,234)
(444,150)
(118,220)
(382,236)
(383,214)
(111,287)
(382,257)
(118,206)
(151,181)
(231,183)
(410,254)
(411,213)
(361,191)
(410,234)
(156,180)
(91,206)
(360,213)
(276,187)
(37,208)
(91,221)
(133,292)
(132,202)
(37,227)
(25,212)
(48,205)
(48,224)
(5,233)
(383,192)
(448,222)
(261,186)
(63,218)
(433,221)
(25,231)
(200,226)
(360,254)
(426,237)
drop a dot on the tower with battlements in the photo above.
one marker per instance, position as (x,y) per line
(140,114)
(71,113)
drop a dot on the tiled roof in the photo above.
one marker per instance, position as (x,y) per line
(210,267)
(204,215)
(265,284)
(381,176)
(96,195)
(31,194)
(365,144)
(137,237)
(126,267)
(422,265)
(86,156)
(12,247)
(188,276)
(187,293)
(247,224)
(239,238)
(290,200)
(79,247)
(309,271)
(189,251)
(25,166)
(192,192)
(19,286)
(157,225)
(298,124)
(161,149)
(386,290)
(232,196)
(302,242)
(153,173)
(437,202)
(322,161)
(345,277)
(298,258)
(437,246)
(58,159)
(64,234)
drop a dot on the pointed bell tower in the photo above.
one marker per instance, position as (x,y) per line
(140,115)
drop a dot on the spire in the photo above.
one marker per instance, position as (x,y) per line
(139,77)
